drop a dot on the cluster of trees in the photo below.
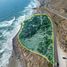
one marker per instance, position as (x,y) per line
(31,26)
(46,49)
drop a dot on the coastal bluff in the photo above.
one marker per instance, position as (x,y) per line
(27,58)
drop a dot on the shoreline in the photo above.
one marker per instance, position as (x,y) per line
(13,61)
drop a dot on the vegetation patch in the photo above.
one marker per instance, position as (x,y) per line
(37,36)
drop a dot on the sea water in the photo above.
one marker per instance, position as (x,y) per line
(12,13)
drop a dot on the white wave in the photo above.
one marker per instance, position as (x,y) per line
(6,23)
(28,10)
(7,46)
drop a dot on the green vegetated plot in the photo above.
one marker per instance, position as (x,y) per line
(37,36)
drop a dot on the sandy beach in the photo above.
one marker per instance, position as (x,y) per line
(13,61)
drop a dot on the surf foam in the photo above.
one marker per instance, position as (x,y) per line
(8,29)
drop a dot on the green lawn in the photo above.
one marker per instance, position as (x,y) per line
(37,36)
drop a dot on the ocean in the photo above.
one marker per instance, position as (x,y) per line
(12,14)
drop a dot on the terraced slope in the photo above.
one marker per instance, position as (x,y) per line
(37,36)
